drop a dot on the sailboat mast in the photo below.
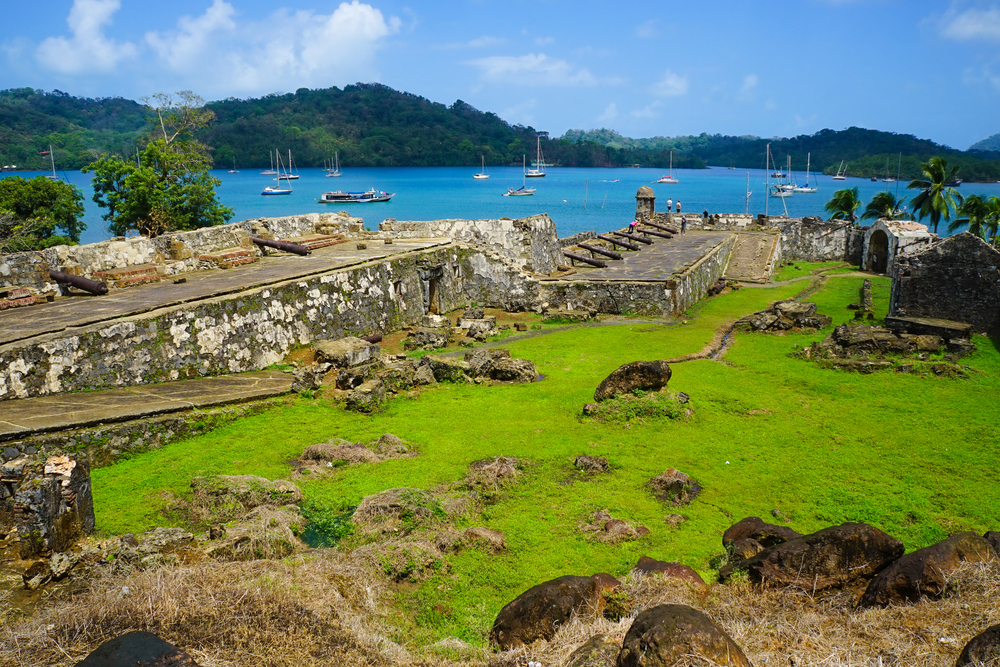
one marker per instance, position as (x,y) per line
(52,158)
(767,179)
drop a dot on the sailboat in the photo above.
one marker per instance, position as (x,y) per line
(521,191)
(288,175)
(278,189)
(52,159)
(806,187)
(335,171)
(888,178)
(669,178)
(841,173)
(271,171)
(234,170)
(776,190)
(539,170)
(481,175)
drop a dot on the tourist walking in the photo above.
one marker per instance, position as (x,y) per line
(684,224)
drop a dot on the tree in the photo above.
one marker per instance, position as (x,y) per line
(843,205)
(885,206)
(38,213)
(976,213)
(171,188)
(936,198)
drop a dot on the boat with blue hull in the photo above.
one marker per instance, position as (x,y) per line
(367,197)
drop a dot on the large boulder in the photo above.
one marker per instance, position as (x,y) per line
(674,634)
(345,352)
(983,649)
(674,486)
(644,375)
(672,570)
(137,649)
(754,528)
(52,501)
(925,572)
(446,369)
(424,338)
(830,557)
(538,612)
(367,397)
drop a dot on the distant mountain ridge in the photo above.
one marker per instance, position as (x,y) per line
(373,125)
(991,143)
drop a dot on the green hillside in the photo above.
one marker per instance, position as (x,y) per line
(988,144)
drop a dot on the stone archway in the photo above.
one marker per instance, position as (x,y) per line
(878,251)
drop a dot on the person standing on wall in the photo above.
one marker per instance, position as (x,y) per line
(678,205)
(684,224)
(670,204)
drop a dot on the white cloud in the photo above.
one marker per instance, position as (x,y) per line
(542,41)
(609,114)
(88,49)
(648,111)
(647,30)
(671,85)
(182,48)
(532,70)
(972,24)
(749,84)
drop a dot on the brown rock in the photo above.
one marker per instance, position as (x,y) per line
(492,539)
(830,557)
(37,575)
(345,352)
(754,528)
(137,649)
(538,612)
(925,572)
(644,375)
(746,548)
(993,537)
(673,634)
(673,570)
(594,464)
(983,649)
(675,487)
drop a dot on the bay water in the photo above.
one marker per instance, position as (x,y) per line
(577,199)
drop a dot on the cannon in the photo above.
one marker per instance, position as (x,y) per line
(600,251)
(633,237)
(653,232)
(672,230)
(281,245)
(624,244)
(586,260)
(86,284)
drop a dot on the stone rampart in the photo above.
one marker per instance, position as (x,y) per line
(808,239)
(530,243)
(256,328)
(172,253)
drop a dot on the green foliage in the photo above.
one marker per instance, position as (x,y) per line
(38,213)
(885,206)
(981,216)
(936,199)
(843,205)
(639,406)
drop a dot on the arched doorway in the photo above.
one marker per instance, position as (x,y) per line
(878,251)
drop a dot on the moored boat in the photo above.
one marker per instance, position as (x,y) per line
(367,197)
(669,178)
(539,170)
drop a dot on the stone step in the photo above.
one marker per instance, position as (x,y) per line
(314,241)
(129,276)
(929,326)
(230,257)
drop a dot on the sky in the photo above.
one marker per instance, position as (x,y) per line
(661,68)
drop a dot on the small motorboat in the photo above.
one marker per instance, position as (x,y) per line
(367,197)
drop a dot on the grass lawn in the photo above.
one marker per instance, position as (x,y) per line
(913,456)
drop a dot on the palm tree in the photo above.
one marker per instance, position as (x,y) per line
(844,204)
(975,212)
(936,198)
(992,221)
(885,206)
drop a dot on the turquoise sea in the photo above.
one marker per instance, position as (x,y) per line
(577,199)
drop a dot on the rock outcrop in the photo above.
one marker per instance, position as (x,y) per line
(672,570)
(137,649)
(756,529)
(642,375)
(673,634)
(674,486)
(785,316)
(983,649)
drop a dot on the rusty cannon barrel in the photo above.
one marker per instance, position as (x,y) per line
(632,237)
(618,242)
(586,260)
(86,284)
(600,251)
(374,338)
(653,232)
(282,245)
(665,228)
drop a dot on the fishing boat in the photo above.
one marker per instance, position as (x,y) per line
(271,171)
(482,174)
(669,178)
(841,173)
(277,189)
(367,197)
(806,187)
(288,175)
(521,191)
(335,170)
(539,169)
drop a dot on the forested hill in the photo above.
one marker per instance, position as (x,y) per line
(864,152)
(991,143)
(374,125)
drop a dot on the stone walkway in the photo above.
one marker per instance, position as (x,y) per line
(656,262)
(27,416)
(751,257)
(82,309)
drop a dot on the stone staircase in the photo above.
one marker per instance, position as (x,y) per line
(129,276)
(230,257)
(752,257)
(314,241)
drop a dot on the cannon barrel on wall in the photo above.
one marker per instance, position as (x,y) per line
(281,245)
(86,284)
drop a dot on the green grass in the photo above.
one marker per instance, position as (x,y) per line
(791,270)
(913,456)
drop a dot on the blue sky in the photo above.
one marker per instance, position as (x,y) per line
(923,67)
